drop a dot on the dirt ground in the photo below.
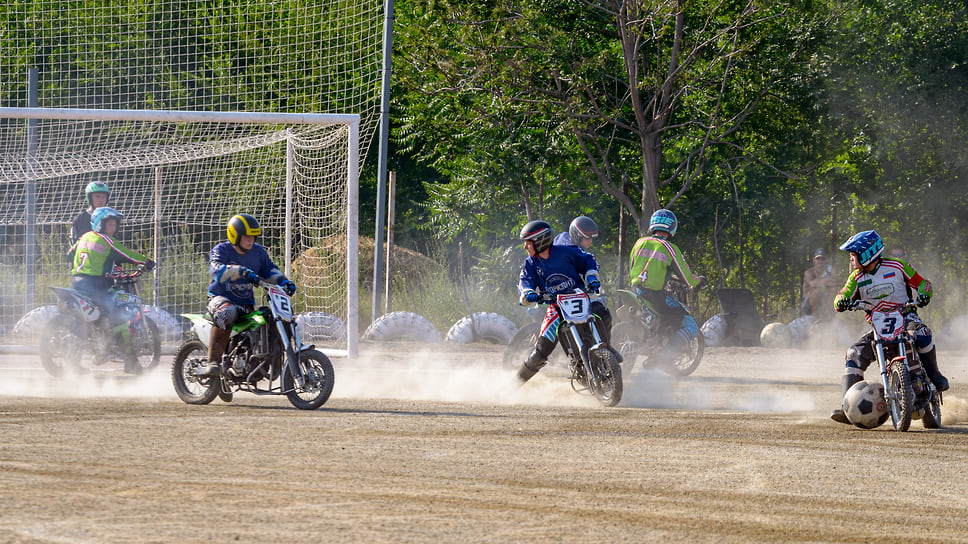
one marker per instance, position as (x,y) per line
(432,444)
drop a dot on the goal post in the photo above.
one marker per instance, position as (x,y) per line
(178,176)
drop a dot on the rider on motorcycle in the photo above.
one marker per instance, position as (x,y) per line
(95,255)
(878,279)
(235,266)
(652,259)
(554,269)
(581,233)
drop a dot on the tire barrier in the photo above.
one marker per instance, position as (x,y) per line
(321,327)
(714,330)
(402,326)
(484,327)
(33,321)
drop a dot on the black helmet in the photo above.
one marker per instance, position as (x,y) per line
(582,228)
(538,232)
(242,224)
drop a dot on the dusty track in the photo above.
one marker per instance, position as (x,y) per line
(429,445)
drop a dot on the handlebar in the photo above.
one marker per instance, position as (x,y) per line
(120,275)
(549,298)
(868,306)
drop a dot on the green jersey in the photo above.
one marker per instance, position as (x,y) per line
(95,254)
(651,260)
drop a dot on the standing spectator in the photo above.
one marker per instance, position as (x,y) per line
(820,283)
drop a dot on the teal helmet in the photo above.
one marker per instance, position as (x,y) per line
(664,220)
(867,245)
(99,215)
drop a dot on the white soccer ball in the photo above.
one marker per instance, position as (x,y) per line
(864,405)
(776,335)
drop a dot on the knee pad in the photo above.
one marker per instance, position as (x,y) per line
(224,314)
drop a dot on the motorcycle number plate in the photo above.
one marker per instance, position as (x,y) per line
(888,325)
(574,307)
(281,303)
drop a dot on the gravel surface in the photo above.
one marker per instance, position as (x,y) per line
(432,444)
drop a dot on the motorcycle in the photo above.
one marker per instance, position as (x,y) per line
(908,391)
(81,330)
(593,366)
(640,330)
(264,357)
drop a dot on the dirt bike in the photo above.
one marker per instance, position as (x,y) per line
(82,331)
(641,332)
(264,356)
(593,366)
(908,391)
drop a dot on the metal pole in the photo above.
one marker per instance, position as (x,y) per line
(290,161)
(157,245)
(390,207)
(30,217)
(381,184)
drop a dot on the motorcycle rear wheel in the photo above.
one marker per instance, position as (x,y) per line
(902,397)
(605,365)
(689,360)
(190,388)
(931,418)
(61,347)
(319,379)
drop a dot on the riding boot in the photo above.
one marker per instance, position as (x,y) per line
(218,341)
(929,361)
(530,367)
(846,383)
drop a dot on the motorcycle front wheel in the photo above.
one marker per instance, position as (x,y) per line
(318,381)
(901,397)
(190,388)
(627,339)
(61,345)
(605,365)
(146,343)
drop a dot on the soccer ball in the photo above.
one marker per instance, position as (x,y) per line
(864,405)
(776,335)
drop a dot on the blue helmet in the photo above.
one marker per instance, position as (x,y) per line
(100,214)
(867,245)
(664,220)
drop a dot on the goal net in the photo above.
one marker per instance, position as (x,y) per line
(181,176)
(178,177)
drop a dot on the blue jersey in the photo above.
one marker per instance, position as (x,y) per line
(224,263)
(564,239)
(566,268)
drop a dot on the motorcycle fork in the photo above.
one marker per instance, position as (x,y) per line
(292,353)
(583,352)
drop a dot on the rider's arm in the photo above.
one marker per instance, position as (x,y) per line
(849,290)
(221,266)
(526,281)
(683,269)
(122,252)
(916,280)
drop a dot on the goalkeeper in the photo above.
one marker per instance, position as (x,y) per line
(235,266)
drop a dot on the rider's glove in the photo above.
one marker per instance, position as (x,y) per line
(923,299)
(843,304)
(249,275)
(288,286)
(150,265)
(702,281)
(529,297)
(594,285)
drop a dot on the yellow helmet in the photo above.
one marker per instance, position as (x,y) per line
(242,224)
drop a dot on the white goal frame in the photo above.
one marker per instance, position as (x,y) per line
(351,121)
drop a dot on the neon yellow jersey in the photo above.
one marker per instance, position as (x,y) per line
(651,260)
(95,254)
